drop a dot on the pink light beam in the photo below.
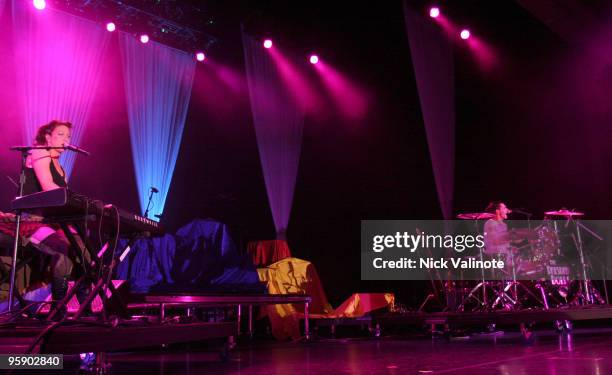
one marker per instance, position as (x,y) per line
(349,97)
(298,85)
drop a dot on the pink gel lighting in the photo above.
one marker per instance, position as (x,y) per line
(267,43)
(314,59)
(144,38)
(434,12)
(200,56)
(39,4)
(110,26)
(465,34)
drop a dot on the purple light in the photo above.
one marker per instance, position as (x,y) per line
(434,12)
(110,26)
(144,38)
(465,34)
(200,56)
(39,4)
(267,43)
(314,59)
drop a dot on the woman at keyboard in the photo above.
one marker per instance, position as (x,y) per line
(44,172)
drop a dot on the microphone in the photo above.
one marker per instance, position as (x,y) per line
(154,189)
(77,149)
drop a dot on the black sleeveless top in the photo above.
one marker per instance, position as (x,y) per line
(32,185)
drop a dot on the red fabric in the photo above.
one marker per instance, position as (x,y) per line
(265,253)
(26,229)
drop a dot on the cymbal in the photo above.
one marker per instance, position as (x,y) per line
(564,212)
(475,216)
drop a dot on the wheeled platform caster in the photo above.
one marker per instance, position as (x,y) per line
(564,326)
(527,333)
(224,353)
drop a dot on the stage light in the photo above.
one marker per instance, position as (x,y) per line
(110,26)
(314,59)
(144,38)
(39,4)
(200,56)
(434,12)
(267,43)
(465,34)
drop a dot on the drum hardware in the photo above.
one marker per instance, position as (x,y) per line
(541,260)
(483,283)
(587,290)
(435,294)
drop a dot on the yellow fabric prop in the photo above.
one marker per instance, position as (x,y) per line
(297,276)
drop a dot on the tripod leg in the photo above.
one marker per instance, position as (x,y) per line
(472,295)
(64,302)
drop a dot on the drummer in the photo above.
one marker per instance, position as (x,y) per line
(496,237)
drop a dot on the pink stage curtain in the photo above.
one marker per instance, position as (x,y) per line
(265,253)
(58,60)
(432,60)
(279,121)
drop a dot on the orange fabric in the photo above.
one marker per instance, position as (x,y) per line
(292,276)
(297,276)
(265,253)
(360,304)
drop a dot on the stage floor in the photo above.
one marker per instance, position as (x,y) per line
(585,351)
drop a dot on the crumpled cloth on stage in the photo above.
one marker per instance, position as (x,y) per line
(26,228)
(264,253)
(292,276)
(200,257)
(297,276)
(360,304)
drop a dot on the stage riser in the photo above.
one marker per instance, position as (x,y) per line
(74,340)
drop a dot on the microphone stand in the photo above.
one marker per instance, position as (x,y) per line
(18,214)
(146,214)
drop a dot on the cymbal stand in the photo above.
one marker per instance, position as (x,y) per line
(481,285)
(586,285)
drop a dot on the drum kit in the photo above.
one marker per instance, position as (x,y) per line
(548,267)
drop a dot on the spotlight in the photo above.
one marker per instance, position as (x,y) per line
(314,59)
(465,34)
(267,43)
(200,56)
(39,4)
(434,12)
(110,26)
(144,38)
